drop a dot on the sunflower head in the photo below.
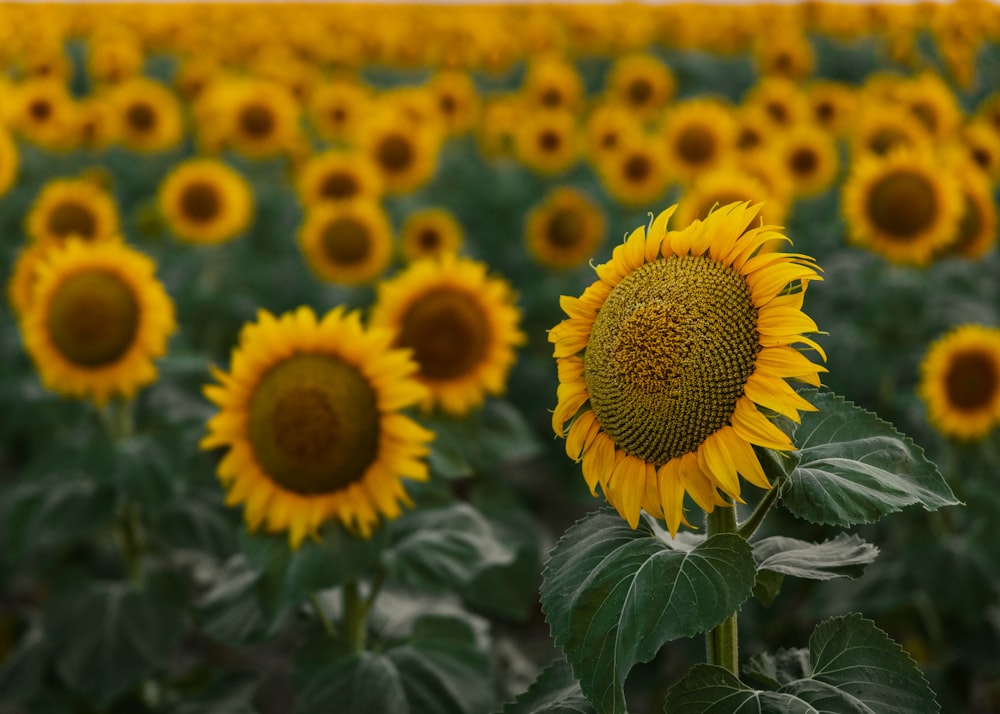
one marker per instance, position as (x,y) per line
(338,175)
(666,357)
(149,116)
(312,415)
(205,201)
(430,233)
(461,325)
(348,242)
(565,230)
(72,207)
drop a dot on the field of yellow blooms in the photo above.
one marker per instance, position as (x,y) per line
(460,359)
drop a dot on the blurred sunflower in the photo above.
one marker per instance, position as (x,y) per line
(348,242)
(461,325)
(336,109)
(457,100)
(721,187)
(881,127)
(699,134)
(754,129)
(495,131)
(832,105)
(809,155)
(785,52)
(195,73)
(98,125)
(607,128)
(782,100)
(430,233)
(404,151)
(96,320)
(21,284)
(666,357)
(261,118)
(982,144)
(72,207)
(552,82)
(338,175)
(977,228)
(205,201)
(548,141)
(10,161)
(150,118)
(43,112)
(565,230)
(931,100)
(641,83)
(960,381)
(635,174)
(902,205)
(113,56)
(311,413)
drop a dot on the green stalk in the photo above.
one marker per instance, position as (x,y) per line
(751,524)
(322,616)
(722,642)
(355,616)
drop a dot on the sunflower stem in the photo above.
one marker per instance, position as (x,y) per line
(355,616)
(321,615)
(722,642)
(748,527)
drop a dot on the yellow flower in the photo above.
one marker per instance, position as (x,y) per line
(882,126)
(722,186)
(666,357)
(337,108)
(784,51)
(260,117)
(636,174)
(833,105)
(641,83)
(97,319)
(205,201)
(607,128)
(338,175)
(960,381)
(547,140)
(42,112)
(977,228)
(809,157)
(430,233)
(311,413)
(149,114)
(902,205)
(784,103)
(552,82)
(348,242)
(460,324)
(457,100)
(565,230)
(699,134)
(403,148)
(9,161)
(72,207)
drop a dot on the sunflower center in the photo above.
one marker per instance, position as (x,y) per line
(926,114)
(200,201)
(552,97)
(395,153)
(257,121)
(565,228)
(72,218)
(803,161)
(669,354)
(429,239)
(696,144)
(637,168)
(314,424)
(448,104)
(141,117)
(609,139)
(40,109)
(339,115)
(748,138)
(447,332)
(902,204)
(777,111)
(640,91)
(971,381)
(549,140)
(346,241)
(885,139)
(93,318)
(825,112)
(339,185)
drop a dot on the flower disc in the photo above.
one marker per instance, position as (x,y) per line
(72,207)
(205,201)
(347,242)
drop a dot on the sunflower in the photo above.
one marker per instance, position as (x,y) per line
(552,82)
(430,233)
(20,287)
(548,141)
(699,134)
(457,100)
(754,129)
(72,207)
(902,205)
(722,186)
(150,118)
(832,105)
(607,127)
(782,100)
(495,132)
(311,413)
(666,357)
(565,230)
(641,83)
(977,228)
(96,320)
(338,175)
(98,125)
(42,112)
(635,174)
(929,98)
(982,144)
(348,242)
(405,151)
(205,201)
(113,56)
(960,381)
(9,161)
(461,325)
(261,118)
(881,127)
(785,52)
(809,156)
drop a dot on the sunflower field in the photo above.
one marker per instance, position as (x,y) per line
(499,359)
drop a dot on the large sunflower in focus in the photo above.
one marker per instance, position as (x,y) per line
(97,319)
(460,324)
(902,206)
(311,413)
(565,230)
(666,357)
(72,207)
(960,381)
(348,242)
(205,201)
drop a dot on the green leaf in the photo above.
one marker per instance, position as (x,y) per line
(707,689)
(767,586)
(439,669)
(22,673)
(444,547)
(555,691)
(229,611)
(106,637)
(230,693)
(856,468)
(613,596)
(843,557)
(780,668)
(197,522)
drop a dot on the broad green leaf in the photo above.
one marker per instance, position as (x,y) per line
(767,586)
(780,668)
(555,691)
(707,689)
(444,547)
(197,522)
(613,596)
(106,637)
(229,611)
(142,472)
(856,468)
(844,556)
(439,669)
